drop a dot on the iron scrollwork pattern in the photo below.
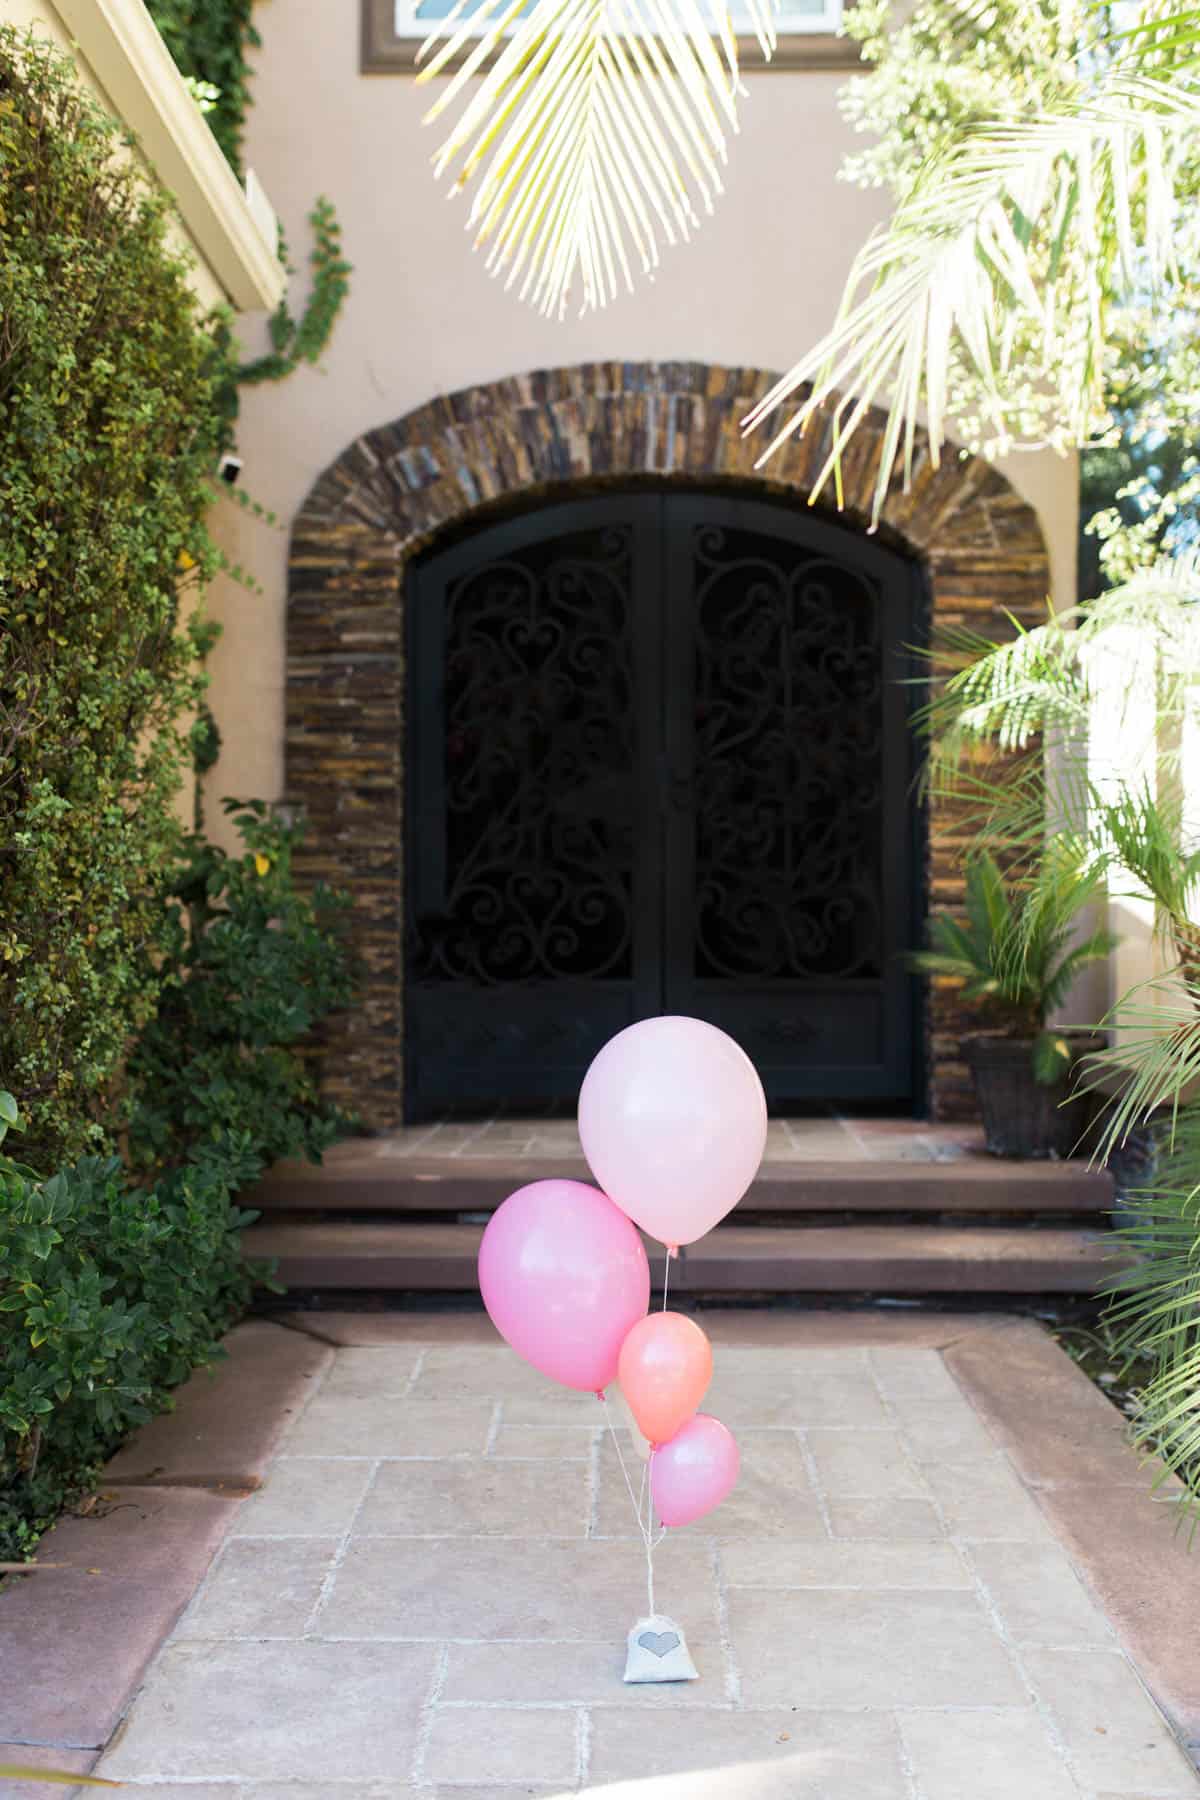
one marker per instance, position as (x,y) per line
(788,752)
(539,711)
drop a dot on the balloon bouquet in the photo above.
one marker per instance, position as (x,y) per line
(673,1123)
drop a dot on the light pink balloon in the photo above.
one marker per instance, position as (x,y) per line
(695,1471)
(564,1276)
(674,1123)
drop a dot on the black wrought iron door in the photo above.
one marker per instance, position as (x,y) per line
(658,760)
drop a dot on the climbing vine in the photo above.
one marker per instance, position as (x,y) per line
(209,41)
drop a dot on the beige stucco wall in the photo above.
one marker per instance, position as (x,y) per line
(42,17)
(756,286)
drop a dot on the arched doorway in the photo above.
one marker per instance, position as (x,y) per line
(659,760)
(551,436)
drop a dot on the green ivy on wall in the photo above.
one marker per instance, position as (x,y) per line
(294,341)
(209,41)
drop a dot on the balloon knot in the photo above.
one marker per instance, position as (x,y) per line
(600,1394)
(672,1249)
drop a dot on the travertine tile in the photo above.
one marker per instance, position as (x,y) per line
(986,1500)
(385,1372)
(743,1398)
(893,1521)
(906,1374)
(571,1442)
(810,1364)
(378,1426)
(873,1649)
(304,1496)
(455,1371)
(581,1674)
(1114,1734)
(783,1755)
(502,1745)
(864,1465)
(1038,1595)
(935,1431)
(986,1755)
(452,1376)
(260,1587)
(521,1790)
(518,1588)
(477,1496)
(862,1565)
(267,1790)
(171,1790)
(340,1712)
(311,1790)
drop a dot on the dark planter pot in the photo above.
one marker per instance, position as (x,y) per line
(1021,1116)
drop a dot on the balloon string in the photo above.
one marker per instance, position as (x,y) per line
(635,1499)
(645,1526)
(650,1552)
(666,1277)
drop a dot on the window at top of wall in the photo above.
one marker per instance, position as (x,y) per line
(413,18)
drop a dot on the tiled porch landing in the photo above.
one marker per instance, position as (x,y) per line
(840,1205)
(831,1138)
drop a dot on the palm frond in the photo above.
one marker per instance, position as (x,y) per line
(1155,1306)
(1145,836)
(599,129)
(986,899)
(1006,692)
(966,254)
(1153,1066)
(1096,948)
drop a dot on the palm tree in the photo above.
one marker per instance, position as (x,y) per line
(1134,837)
(1004,262)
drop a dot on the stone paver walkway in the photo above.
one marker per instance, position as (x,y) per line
(429,1597)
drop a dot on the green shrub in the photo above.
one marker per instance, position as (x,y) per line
(108,427)
(109,1296)
(217,1077)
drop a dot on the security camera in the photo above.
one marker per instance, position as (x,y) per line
(229,469)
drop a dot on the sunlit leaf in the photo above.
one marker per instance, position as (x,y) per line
(963,261)
(598,131)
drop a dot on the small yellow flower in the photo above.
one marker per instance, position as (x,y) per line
(262,863)
(186,561)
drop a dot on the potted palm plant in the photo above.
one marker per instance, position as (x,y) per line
(1014,954)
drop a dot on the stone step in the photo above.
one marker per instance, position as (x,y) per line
(406,1256)
(362,1178)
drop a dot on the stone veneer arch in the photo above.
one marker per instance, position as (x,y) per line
(398,485)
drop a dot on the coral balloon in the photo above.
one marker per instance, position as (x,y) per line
(674,1123)
(564,1276)
(664,1371)
(695,1471)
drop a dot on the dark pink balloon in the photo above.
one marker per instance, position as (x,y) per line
(695,1471)
(564,1276)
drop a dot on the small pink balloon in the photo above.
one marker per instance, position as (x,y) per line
(695,1471)
(564,1276)
(673,1121)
